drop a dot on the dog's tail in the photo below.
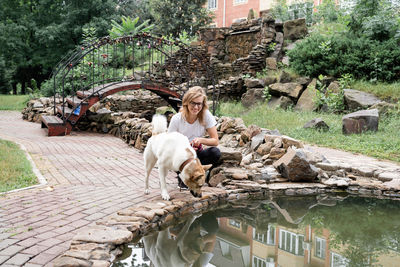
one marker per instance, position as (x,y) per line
(159,123)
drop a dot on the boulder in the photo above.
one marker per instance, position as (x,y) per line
(257,140)
(360,121)
(230,156)
(318,124)
(294,166)
(271,63)
(384,107)
(305,102)
(282,102)
(288,89)
(294,29)
(253,96)
(355,99)
(254,83)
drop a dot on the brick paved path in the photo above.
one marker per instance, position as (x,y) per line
(88,175)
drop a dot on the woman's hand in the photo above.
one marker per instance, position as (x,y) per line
(196,142)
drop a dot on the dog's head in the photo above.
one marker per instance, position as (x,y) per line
(193,175)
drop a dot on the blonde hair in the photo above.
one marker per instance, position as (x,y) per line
(191,94)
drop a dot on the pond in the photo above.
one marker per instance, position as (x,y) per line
(323,230)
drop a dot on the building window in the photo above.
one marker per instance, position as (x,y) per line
(266,238)
(338,260)
(320,247)
(234,223)
(236,2)
(258,262)
(212,4)
(291,242)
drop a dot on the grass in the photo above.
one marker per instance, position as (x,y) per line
(15,170)
(389,92)
(383,144)
(13,102)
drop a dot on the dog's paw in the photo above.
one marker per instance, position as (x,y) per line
(165,196)
(147,191)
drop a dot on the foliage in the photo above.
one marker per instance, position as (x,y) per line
(129,26)
(384,144)
(15,170)
(172,17)
(328,99)
(36,34)
(349,221)
(374,19)
(266,94)
(327,12)
(298,9)
(346,53)
(5,85)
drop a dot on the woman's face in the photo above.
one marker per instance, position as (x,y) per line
(196,105)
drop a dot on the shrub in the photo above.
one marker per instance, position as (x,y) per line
(337,55)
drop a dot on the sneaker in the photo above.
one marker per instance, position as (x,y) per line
(181,185)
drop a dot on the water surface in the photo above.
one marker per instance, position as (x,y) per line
(320,231)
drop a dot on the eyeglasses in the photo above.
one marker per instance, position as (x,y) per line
(193,104)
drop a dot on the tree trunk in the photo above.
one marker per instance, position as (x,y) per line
(14,88)
(23,85)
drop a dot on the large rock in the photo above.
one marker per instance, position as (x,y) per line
(355,99)
(295,29)
(305,102)
(318,124)
(282,102)
(230,156)
(254,83)
(102,234)
(289,89)
(253,96)
(360,121)
(294,166)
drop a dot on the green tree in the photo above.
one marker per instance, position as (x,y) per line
(129,26)
(172,17)
(36,34)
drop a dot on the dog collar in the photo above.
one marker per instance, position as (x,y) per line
(185,163)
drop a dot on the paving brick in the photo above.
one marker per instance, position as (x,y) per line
(29,242)
(64,229)
(34,250)
(19,259)
(43,258)
(11,250)
(49,242)
(3,259)
(47,235)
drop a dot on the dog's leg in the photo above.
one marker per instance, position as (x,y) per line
(162,171)
(149,162)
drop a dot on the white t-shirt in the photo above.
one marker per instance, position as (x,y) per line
(191,131)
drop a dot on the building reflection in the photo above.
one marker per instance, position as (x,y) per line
(317,231)
(283,245)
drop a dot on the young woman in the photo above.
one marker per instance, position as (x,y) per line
(193,121)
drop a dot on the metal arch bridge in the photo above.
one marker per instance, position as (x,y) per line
(107,66)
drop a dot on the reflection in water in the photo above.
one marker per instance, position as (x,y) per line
(320,231)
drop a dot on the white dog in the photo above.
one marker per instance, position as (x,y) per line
(172,151)
(164,250)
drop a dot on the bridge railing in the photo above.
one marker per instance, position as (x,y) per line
(141,57)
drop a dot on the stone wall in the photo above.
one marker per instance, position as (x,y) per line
(245,46)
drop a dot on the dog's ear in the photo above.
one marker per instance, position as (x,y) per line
(206,167)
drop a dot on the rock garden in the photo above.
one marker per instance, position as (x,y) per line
(256,162)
